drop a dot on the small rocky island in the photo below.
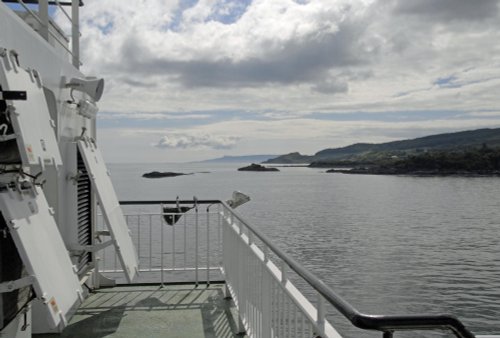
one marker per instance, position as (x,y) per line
(257,167)
(157,174)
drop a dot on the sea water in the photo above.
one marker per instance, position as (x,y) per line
(387,244)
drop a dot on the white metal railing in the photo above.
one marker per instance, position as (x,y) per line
(269,304)
(266,284)
(42,17)
(189,251)
(210,243)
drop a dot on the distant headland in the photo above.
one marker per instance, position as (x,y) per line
(465,153)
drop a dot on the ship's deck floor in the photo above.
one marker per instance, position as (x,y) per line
(152,311)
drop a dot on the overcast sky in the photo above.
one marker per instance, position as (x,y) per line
(193,80)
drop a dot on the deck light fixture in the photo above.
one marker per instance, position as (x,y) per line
(87,109)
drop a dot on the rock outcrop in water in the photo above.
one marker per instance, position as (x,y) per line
(157,174)
(257,167)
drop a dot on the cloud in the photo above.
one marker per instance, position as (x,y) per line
(330,86)
(185,141)
(152,116)
(445,10)
(284,54)
(274,62)
(317,40)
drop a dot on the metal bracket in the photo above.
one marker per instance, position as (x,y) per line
(103,233)
(12,285)
(75,177)
(91,248)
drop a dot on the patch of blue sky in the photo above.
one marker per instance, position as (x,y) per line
(229,11)
(174,25)
(32,7)
(105,29)
(447,82)
(224,11)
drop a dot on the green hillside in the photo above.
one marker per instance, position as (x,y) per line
(371,152)
(470,138)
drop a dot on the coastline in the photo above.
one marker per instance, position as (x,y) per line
(418,173)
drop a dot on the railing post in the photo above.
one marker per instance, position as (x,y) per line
(196,247)
(96,272)
(267,303)
(139,240)
(239,269)
(75,32)
(185,243)
(151,242)
(219,231)
(283,273)
(161,245)
(320,321)
(173,247)
(208,247)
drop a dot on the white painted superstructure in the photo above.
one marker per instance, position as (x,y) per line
(47,181)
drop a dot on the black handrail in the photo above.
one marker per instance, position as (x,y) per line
(170,202)
(384,323)
(53,3)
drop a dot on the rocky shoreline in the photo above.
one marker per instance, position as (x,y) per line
(423,173)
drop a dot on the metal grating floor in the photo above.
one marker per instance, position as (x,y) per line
(153,311)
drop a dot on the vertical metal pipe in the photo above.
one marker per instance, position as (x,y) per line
(173,247)
(283,273)
(302,330)
(208,247)
(286,316)
(196,247)
(161,247)
(96,274)
(241,269)
(278,311)
(219,230)
(150,243)
(139,239)
(104,258)
(75,32)
(185,242)
(295,321)
(116,262)
(320,322)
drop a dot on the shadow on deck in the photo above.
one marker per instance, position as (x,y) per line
(154,311)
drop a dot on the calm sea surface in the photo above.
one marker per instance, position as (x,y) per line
(387,244)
